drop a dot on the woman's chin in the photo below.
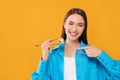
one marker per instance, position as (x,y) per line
(73,38)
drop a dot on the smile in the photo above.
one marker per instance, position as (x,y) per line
(73,34)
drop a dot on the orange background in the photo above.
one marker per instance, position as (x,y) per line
(24,23)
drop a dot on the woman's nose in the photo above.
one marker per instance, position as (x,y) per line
(74,28)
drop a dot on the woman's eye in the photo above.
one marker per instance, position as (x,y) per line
(70,23)
(80,25)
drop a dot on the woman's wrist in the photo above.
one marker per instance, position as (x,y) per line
(44,57)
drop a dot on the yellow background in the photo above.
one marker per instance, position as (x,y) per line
(24,23)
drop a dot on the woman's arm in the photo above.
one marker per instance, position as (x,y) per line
(44,70)
(40,74)
(112,66)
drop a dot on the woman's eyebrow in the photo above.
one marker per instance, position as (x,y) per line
(77,23)
(71,21)
(81,23)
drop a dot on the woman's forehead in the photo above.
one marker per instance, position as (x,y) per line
(75,18)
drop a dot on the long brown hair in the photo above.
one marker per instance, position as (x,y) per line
(81,12)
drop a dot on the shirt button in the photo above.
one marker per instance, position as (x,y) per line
(77,64)
(106,63)
(103,60)
(109,74)
(79,55)
(78,77)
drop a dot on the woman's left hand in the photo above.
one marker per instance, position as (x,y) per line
(91,51)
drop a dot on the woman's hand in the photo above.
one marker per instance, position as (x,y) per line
(91,51)
(46,48)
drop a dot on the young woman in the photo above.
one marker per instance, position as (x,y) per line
(75,59)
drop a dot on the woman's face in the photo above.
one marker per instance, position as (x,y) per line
(74,26)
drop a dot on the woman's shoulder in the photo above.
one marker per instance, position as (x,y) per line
(58,49)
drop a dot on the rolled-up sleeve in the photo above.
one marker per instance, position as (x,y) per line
(39,74)
(112,66)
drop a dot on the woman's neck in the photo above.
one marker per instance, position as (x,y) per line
(70,47)
(72,44)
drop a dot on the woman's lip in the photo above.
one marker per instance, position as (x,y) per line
(73,34)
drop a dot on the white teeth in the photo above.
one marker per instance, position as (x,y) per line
(73,34)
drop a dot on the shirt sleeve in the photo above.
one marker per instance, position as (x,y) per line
(40,74)
(44,70)
(112,66)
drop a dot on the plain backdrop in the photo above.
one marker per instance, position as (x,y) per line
(25,23)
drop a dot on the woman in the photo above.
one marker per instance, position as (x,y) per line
(75,59)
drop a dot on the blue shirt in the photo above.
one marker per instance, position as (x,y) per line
(102,67)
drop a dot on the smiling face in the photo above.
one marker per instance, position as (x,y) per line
(74,27)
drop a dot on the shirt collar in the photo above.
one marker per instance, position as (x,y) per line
(60,47)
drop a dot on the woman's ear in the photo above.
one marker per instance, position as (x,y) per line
(64,25)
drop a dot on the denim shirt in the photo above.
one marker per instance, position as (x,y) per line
(102,67)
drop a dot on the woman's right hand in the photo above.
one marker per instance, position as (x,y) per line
(46,48)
